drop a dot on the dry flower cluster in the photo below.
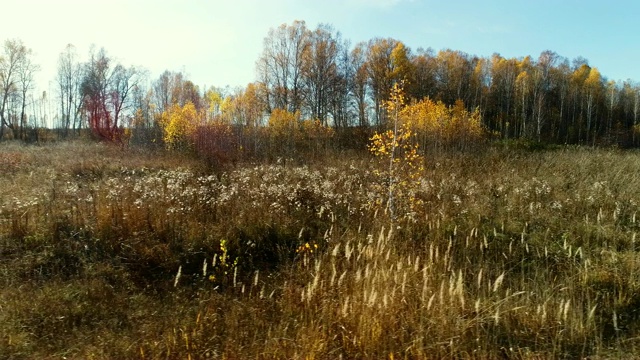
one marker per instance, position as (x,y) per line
(509,255)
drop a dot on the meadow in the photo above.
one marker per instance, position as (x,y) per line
(109,252)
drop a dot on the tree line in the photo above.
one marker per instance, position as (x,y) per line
(318,76)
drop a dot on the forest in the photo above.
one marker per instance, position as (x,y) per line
(354,202)
(316,75)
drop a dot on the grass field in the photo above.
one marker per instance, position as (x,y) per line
(112,253)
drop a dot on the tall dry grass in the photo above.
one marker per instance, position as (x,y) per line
(121,253)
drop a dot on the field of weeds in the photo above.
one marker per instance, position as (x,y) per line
(121,253)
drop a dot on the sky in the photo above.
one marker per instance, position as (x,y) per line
(217,43)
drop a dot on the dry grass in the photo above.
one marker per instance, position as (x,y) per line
(119,253)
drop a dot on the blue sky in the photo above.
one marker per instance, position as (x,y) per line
(218,42)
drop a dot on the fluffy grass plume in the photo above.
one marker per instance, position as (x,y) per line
(120,253)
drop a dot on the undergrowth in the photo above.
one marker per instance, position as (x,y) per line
(121,253)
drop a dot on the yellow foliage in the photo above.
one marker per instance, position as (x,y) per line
(438,125)
(396,98)
(307,248)
(399,151)
(402,66)
(284,123)
(593,83)
(291,134)
(216,103)
(178,124)
(414,127)
(313,129)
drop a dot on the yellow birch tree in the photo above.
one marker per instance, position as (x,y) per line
(178,124)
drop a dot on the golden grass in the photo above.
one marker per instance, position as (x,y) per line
(122,253)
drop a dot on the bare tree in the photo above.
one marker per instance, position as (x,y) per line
(167,90)
(341,97)
(26,72)
(106,93)
(68,80)
(358,65)
(11,62)
(280,66)
(320,71)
